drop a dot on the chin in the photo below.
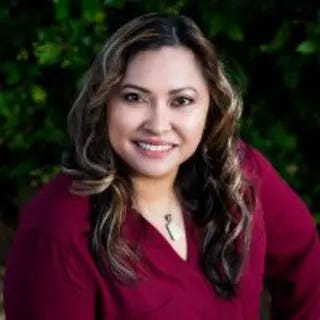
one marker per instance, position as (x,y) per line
(153,173)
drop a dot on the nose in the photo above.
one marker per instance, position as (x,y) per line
(158,120)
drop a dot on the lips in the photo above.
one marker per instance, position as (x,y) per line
(154,147)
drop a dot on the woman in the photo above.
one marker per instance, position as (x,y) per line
(161,212)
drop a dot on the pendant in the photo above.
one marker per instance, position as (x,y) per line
(173,229)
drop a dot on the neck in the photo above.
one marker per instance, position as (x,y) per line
(154,192)
(157,201)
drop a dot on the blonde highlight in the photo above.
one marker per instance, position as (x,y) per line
(211,182)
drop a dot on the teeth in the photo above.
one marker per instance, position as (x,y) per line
(154,147)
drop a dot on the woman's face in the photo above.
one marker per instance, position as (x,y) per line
(156,119)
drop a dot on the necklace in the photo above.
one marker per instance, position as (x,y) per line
(173,229)
(175,232)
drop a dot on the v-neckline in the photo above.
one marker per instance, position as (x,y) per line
(152,231)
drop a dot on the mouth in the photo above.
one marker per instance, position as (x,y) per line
(154,149)
(153,146)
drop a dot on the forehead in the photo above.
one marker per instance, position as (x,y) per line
(171,66)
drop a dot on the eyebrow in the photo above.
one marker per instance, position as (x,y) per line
(174,91)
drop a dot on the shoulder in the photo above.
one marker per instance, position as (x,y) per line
(281,205)
(55,211)
(251,160)
(261,172)
(255,165)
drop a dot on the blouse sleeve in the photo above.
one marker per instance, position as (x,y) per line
(293,248)
(46,280)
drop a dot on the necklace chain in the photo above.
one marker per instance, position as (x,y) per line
(174,231)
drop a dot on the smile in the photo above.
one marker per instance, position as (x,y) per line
(154,147)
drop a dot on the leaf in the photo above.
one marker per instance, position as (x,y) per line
(38,94)
(216,24)
(23,55)
(61,9)
(90,8)
(12,72)
(235,33)
(18,142)
(279,40)
(47,53)
(308,47)
(176,7)
(99,17)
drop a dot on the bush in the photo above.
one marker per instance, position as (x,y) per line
(271,51)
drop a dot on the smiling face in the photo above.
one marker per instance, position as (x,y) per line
(156,118)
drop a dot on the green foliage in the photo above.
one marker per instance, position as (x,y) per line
(270,50)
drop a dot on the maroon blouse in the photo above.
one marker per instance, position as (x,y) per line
(51,274)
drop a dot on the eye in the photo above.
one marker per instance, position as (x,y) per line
(182,101)
(132,97)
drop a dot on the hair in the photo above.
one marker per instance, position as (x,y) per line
(210,181)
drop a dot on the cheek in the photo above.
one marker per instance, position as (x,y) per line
(116,125)
(119,120)
(193,125)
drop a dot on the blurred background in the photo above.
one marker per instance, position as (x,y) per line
(271,50)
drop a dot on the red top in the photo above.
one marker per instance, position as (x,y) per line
(51,274)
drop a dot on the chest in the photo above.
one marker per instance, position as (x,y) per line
(173,287)
(189,297)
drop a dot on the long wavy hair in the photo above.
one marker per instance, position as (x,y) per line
(210,181)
